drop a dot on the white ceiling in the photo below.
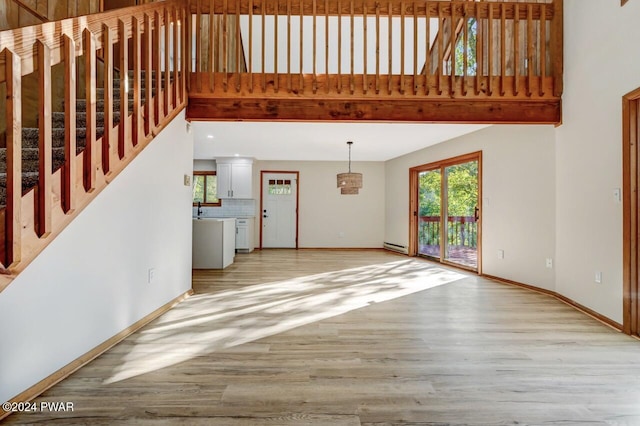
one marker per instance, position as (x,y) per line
(319,141)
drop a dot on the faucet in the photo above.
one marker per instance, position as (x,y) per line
(199,209)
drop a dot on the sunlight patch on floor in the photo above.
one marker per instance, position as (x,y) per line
(220,321)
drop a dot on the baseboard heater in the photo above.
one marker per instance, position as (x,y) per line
(396,247)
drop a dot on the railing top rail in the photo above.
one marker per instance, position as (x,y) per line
(21,40)
(469,8)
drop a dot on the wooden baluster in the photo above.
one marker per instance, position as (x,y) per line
(326,45)
(276,79)
(415,48)
(13,212)
(251,46)
(516,50)
(148,95)
(530,65)
(427,61)
(289,46)
(452,50)
(314,85)
(301,77)
(339,46)
(402,46)
(185,55)
(490,45)
(107,48)
(440,36)
(263,70)
(479,49)
(188,47)
(137,65)
(365,80)
(89,172)
(158,69)
(503,48)
(377,48)
(557,47)
(165,75)
(238,46)
(543,47)
(212,42)
(390,52)
(352,81)
(124,89)
(225,42)
(176,64)
(199,35)
(465,48)
(69,175)
(44,192)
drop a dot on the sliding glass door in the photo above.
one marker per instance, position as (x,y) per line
(447,210)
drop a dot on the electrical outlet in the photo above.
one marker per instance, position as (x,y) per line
(549,263)
(598,277)
(152,275)
(500,254)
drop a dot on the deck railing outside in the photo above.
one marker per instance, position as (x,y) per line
(377,48)
(461,231)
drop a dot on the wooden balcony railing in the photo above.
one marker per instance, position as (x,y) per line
(325,59)
(461,231)
(148,74)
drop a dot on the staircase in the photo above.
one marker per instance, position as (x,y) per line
(30,136)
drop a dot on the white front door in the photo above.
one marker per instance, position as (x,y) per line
(279,206)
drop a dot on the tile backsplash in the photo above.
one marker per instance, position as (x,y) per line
(230,208)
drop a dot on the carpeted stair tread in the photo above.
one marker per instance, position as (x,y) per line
(81,119)
(30,136)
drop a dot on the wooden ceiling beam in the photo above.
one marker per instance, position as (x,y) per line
(399,110)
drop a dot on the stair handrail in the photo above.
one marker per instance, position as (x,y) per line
(31,220)
(32,12)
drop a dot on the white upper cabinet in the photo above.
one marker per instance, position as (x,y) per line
(235,176)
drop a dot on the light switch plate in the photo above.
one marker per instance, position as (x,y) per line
(187,180)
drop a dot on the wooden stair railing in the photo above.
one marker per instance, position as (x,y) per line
(79,151)
(34,13)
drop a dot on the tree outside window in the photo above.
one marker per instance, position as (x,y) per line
(205,189)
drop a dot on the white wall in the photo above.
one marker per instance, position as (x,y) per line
(518,198)
(600,67)
(90,283)
(325,214)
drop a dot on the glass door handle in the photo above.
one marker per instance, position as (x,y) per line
(476,213)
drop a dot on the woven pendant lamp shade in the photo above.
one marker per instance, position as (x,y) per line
(349,183)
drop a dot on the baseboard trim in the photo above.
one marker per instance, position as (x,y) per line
(590,312)
(83,360)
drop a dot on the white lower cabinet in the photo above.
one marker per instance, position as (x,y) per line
(244,235)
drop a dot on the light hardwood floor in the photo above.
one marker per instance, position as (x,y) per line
(285,337)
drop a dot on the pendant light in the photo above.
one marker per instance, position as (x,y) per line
(349,183)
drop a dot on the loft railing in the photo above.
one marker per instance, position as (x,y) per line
(148,72)
(368,48)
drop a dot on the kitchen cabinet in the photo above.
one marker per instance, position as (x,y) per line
(244,235)
(235,178)
(213,243)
